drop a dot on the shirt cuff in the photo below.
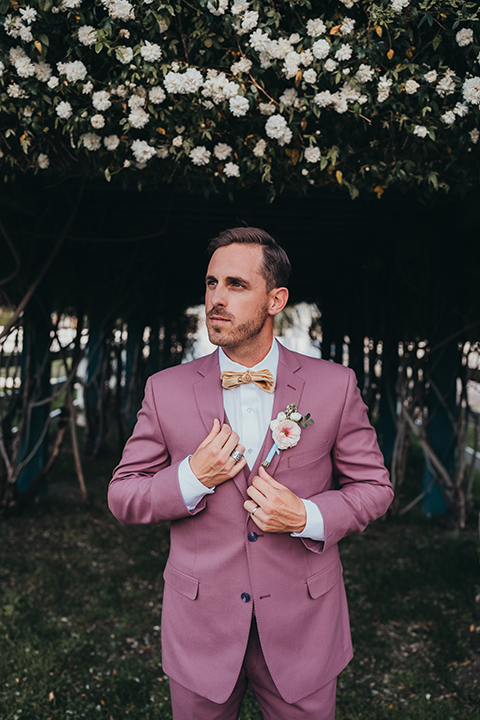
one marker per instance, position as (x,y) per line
(191,488)
(314,528)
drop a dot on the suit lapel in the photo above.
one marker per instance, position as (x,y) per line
(288,389)
(209,399)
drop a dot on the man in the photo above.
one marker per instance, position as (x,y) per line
(253,584)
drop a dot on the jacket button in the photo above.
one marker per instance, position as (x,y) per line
(245,597)
(252,536)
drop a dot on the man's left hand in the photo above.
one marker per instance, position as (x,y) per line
(279,509)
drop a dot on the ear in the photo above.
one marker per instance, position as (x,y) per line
(277,299)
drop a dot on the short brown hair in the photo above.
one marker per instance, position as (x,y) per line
(276,265)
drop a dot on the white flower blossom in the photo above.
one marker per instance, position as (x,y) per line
(267,108)
(461,109)
(430,76)
(330,65)
(43,161)
(74,71)
(101,100)
(239,6)
(446,86)
(28,14)
(316,27)
(217,7)
(53,82)
(383,87)
(119,9)
(420,130)
(188,82)
(222,151)
(111,142)
(200,155)
(138,118)
(347,26)
(276,127)
(464,37)
(344,52)
(349,3)
(156,95)
(249,21)
(291,64)
(323,99)
(411,87)
(474,135)
(238,106)
(92,141)
(163,152)
(136,101)
(244,65)
(64,110)
(87,88)
(321,48)
(98,121)
(399,5)
(312,154)
(310,76)
(14,91)
(471,90)
(25,34)
(364,73)
(260,41)
(150,51)
(124,54)
(448,117)
(177,141)
(124,32)
(142,151)
(289,96)
(43,71)
(231,170)
(87,35)
(260,147)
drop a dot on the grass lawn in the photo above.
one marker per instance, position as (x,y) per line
(81,598)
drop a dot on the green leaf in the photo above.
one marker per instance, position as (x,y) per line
(98,47)
(436,41)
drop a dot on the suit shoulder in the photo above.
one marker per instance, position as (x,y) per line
(186,372)
(325,368)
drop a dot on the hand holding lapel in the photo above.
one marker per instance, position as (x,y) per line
(276,508)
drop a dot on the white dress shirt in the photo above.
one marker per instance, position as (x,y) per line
(249,410)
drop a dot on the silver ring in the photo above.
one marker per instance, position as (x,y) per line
(254,510)
(236,455)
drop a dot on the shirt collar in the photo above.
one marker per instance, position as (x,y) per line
(269,362)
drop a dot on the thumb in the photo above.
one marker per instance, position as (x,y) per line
(213,433)
(264,475)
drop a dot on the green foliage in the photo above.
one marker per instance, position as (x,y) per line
(392,101)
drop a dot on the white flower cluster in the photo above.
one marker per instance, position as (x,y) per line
(124,54)
(244,65)
(282,49)
(74,71)
(87,35)
(399,5)
(25,67)
(218,87)
(142,151)
(150,51)
(341,99)
(19,27)
(119,9)
(183,83)
(383,88)
(464,37)
(471,90)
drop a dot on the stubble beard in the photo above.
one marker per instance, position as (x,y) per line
(239,335)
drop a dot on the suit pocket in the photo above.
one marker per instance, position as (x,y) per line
(182,583)
(325,580)
(304,458)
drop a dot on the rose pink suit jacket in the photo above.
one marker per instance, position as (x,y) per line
(295,585)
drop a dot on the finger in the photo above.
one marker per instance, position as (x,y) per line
(265,476)
(240,449)
(230,445)
(212,434)
(257,497)
(250,506)
(237,466)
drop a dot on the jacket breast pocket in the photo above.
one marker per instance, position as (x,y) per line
(184,584)
(325,580)
(303,458)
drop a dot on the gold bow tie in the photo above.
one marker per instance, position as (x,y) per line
(262,378)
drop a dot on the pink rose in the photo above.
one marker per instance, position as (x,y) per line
(285,433)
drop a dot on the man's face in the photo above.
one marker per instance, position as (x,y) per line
(236,298)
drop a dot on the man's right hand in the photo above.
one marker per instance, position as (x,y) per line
(212,463)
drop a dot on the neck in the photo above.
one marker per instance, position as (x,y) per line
(249,356)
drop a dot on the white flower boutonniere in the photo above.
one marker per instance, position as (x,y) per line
(286,430)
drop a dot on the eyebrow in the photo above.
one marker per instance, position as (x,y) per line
(230,280)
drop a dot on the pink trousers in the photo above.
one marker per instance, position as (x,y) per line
(187,705)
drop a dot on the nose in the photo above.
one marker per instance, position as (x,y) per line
(218,296)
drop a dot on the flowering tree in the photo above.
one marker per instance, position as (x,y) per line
(223,94)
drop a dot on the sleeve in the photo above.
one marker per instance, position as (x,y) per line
(314,525)
(365,491)
(145,488)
